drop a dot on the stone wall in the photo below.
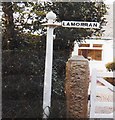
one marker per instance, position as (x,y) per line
(76,87)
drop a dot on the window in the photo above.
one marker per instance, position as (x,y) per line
(92,53)
(97,45)
(84,45)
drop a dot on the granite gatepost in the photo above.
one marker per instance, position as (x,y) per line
(76,87)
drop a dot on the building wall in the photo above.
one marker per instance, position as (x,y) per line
(107,53)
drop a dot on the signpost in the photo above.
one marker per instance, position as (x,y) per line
(49,54)
(48,63)
(80,24)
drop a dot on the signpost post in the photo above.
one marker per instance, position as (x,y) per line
(49,54)
(48,63)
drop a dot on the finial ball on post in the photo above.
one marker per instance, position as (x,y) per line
(51,16)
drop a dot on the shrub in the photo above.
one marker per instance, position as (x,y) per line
(22,83)
(110,66)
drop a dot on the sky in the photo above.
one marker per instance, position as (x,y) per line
(109,1)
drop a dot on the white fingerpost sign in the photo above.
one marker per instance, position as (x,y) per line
(48,63)
(49,54)
(80,24)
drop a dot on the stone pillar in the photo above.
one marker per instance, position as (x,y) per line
(76,87)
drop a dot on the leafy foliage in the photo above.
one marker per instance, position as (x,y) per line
(78,11)
(110,66)
(24,18)
(28,17)
(8,25)
(22,86)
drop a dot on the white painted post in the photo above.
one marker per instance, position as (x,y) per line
(93,93)
(48,66)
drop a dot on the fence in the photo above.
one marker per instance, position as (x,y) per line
(99,77)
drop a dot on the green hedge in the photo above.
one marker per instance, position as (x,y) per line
(22,83)
(110,66)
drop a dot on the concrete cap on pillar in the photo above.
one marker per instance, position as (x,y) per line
(79,57)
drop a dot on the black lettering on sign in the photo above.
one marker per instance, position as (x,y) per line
(90,25)
(72,24)
(68,24)
(86,24)
(83,24)
(63,24)
(77,24)
(95,25)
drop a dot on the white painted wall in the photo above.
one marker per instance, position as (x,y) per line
(107,53)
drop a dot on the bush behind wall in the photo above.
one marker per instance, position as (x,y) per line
(22,83)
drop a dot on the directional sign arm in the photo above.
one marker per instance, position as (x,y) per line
(80,24)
